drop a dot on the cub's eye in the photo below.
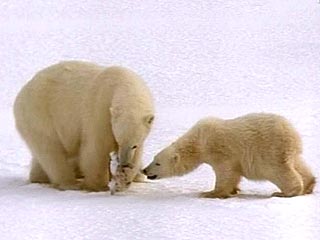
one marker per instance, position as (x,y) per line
(157,164)
(134,147)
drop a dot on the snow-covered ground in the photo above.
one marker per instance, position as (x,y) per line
(221,58)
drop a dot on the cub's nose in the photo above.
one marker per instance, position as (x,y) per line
(152,177)
(144,171)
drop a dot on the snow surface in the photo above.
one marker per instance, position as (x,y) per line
(222,58)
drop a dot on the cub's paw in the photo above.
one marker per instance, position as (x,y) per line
(308,189)
(281,194)
(213,194)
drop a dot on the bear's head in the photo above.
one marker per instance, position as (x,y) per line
(164,164)
(130,128)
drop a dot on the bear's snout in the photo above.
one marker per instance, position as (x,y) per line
(151,177)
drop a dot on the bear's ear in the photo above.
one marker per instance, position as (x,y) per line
(149,119)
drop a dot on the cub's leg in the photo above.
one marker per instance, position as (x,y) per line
(227,180)
(287,179)
(308,179)
(37,175)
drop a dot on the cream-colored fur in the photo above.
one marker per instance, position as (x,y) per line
(257,146)
(73,114)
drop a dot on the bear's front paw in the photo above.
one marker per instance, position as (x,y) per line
(68,186)
(94,187)
(235,191)
(213,194)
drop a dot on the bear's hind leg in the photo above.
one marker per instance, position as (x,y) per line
(37,175)
(287,179)
(308,179)
(53,161)
(227,180)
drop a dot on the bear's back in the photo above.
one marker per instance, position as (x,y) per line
(51,101)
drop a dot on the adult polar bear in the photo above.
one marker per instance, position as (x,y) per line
(257,146)
(77,113)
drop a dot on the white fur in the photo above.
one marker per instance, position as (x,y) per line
(83,111)
(257,146)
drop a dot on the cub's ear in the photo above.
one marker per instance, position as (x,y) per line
(149,119)
(176,158)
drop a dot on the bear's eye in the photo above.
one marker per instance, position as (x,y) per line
(157,164)
(134,147)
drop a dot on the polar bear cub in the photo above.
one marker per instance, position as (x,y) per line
(258,146)
(73,114)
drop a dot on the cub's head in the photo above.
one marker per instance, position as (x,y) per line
(164,164)
(130,128)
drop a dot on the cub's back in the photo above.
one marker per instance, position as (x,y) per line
(265,128)
(259,131)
